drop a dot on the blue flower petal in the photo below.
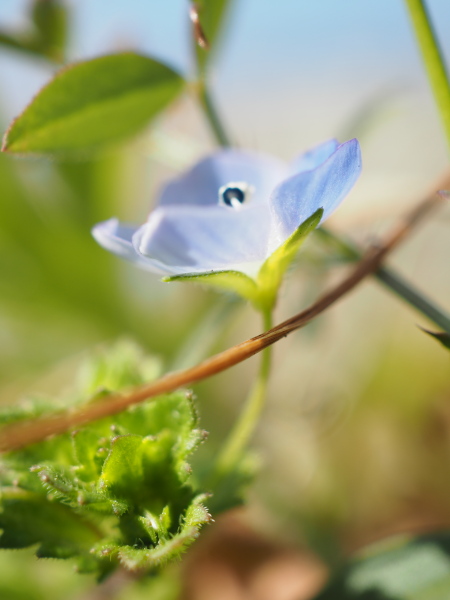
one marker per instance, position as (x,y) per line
(314,157)
(201,184)
(196,239)
(297,198)
(117,238)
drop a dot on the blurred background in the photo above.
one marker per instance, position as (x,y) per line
(355,441)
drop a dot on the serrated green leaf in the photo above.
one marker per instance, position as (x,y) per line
(120,367)
(212,14)
(93,103)
(27,519)
(135,559)
(125,477)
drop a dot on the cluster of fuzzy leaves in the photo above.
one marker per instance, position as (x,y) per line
(117,491)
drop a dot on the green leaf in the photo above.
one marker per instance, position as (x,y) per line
(50,20)
(27,519)
(169,548)
(48,37)
(399,569)
(211,13)
(442,337)
(94,103)
(120,367)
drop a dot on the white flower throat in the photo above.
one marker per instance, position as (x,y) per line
(235,194)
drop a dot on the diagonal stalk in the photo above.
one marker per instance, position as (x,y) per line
(394,282)
(248,419)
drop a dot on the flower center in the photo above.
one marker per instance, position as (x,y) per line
(234,194)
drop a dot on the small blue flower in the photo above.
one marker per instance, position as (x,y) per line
(233,209)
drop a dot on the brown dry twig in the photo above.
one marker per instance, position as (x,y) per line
(16,436)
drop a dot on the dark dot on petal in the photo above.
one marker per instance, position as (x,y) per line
(232,194)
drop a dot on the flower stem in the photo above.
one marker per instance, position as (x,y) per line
(249,417)
(212,115)
(433,59)
(394,282)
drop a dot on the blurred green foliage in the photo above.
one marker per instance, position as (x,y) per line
(412,569)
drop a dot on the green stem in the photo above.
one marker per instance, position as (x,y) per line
(433,59)
(415,298)
(394,282)
(248,419)
(212,115)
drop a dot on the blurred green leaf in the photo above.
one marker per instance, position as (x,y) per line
(273,269)
(48,35)
(51,21)
(27,519)
(93,103)
(442,337)
(211,14)
(417,569)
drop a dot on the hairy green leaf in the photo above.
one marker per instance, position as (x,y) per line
(125,480)
(169,547)
(90,104)
(27,518)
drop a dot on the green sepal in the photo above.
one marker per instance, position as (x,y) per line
(233,281)
(261,291)
(273,269)
(92,104)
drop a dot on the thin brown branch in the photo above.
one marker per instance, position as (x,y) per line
(19,435)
